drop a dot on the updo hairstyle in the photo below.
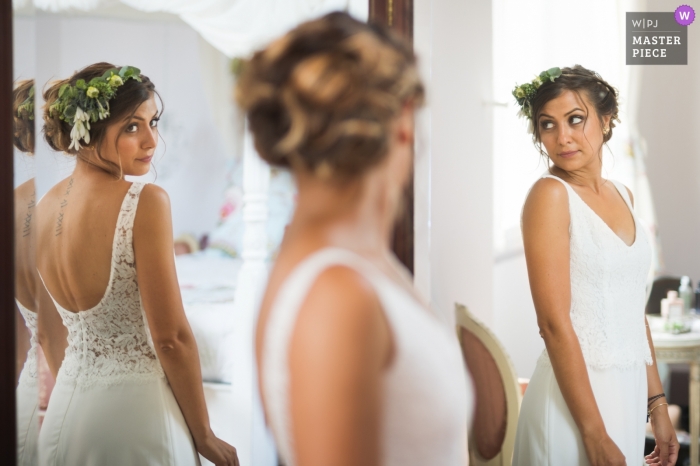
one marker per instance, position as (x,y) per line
(323,97)
(576,79)
(22,121)
(129,97)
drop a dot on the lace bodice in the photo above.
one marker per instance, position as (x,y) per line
(425,395)
(608,287)
(29,374)
(110,342)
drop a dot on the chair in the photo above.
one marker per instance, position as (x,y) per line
(498,396)
(659,290)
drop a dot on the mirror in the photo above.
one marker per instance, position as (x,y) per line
(198,163)
(27,393)
(647,153)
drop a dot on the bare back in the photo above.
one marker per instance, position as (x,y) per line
(76,224)
(25,268)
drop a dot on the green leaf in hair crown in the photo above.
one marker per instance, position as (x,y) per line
(26,108)
(524,93)
(88,102)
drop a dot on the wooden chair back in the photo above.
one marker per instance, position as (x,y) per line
(498,395)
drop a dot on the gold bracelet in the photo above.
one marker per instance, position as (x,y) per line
(652,409)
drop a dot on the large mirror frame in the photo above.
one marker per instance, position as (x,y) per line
(7,325)
(397,14)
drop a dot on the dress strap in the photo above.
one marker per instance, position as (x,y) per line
(122,247)
(624,193)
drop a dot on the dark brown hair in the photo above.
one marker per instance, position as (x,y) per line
(130,96)
(23,122)
(577,79)
(323,96)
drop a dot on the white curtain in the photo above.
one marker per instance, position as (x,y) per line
(235,27)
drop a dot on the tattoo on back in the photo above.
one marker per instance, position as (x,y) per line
(28,218)
(64,203)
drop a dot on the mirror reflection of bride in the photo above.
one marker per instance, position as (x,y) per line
(129,389)
(25,283)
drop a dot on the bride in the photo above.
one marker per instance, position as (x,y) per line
(587,259)
(129,389)
(27,392)
(354,369)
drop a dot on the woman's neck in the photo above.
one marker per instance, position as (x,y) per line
(357,215)
(88,170)
(589,176)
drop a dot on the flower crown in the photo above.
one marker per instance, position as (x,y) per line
(525,93)
(26,108)
(83,103)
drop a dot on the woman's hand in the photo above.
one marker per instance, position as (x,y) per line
(666,451)
(217,451)
(602,451)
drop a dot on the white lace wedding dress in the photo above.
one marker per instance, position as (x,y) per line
(427,400)
(28,396)
(608,297)
(112,405)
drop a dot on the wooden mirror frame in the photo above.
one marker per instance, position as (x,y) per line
(8,434)
(398,16)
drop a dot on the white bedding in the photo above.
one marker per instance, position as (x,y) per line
(207,283)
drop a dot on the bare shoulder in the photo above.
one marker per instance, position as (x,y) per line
(153,212)
(341,310)
(49,203)
(344,290)
(25,190)
(56,191)
(23,196)
(153,198)
(547,197)
(154,203)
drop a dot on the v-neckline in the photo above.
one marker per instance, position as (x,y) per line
(629,209)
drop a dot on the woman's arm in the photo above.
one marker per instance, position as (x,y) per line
(666,451)
(170,330)
(340,347)
(547,252)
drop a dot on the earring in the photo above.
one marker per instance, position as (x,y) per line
(606,130)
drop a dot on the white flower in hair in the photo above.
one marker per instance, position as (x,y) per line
(102,112)
(81,129)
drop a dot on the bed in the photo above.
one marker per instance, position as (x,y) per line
(208,283)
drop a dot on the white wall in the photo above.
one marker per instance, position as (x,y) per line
(669,119)
(453,178)
(515,321)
